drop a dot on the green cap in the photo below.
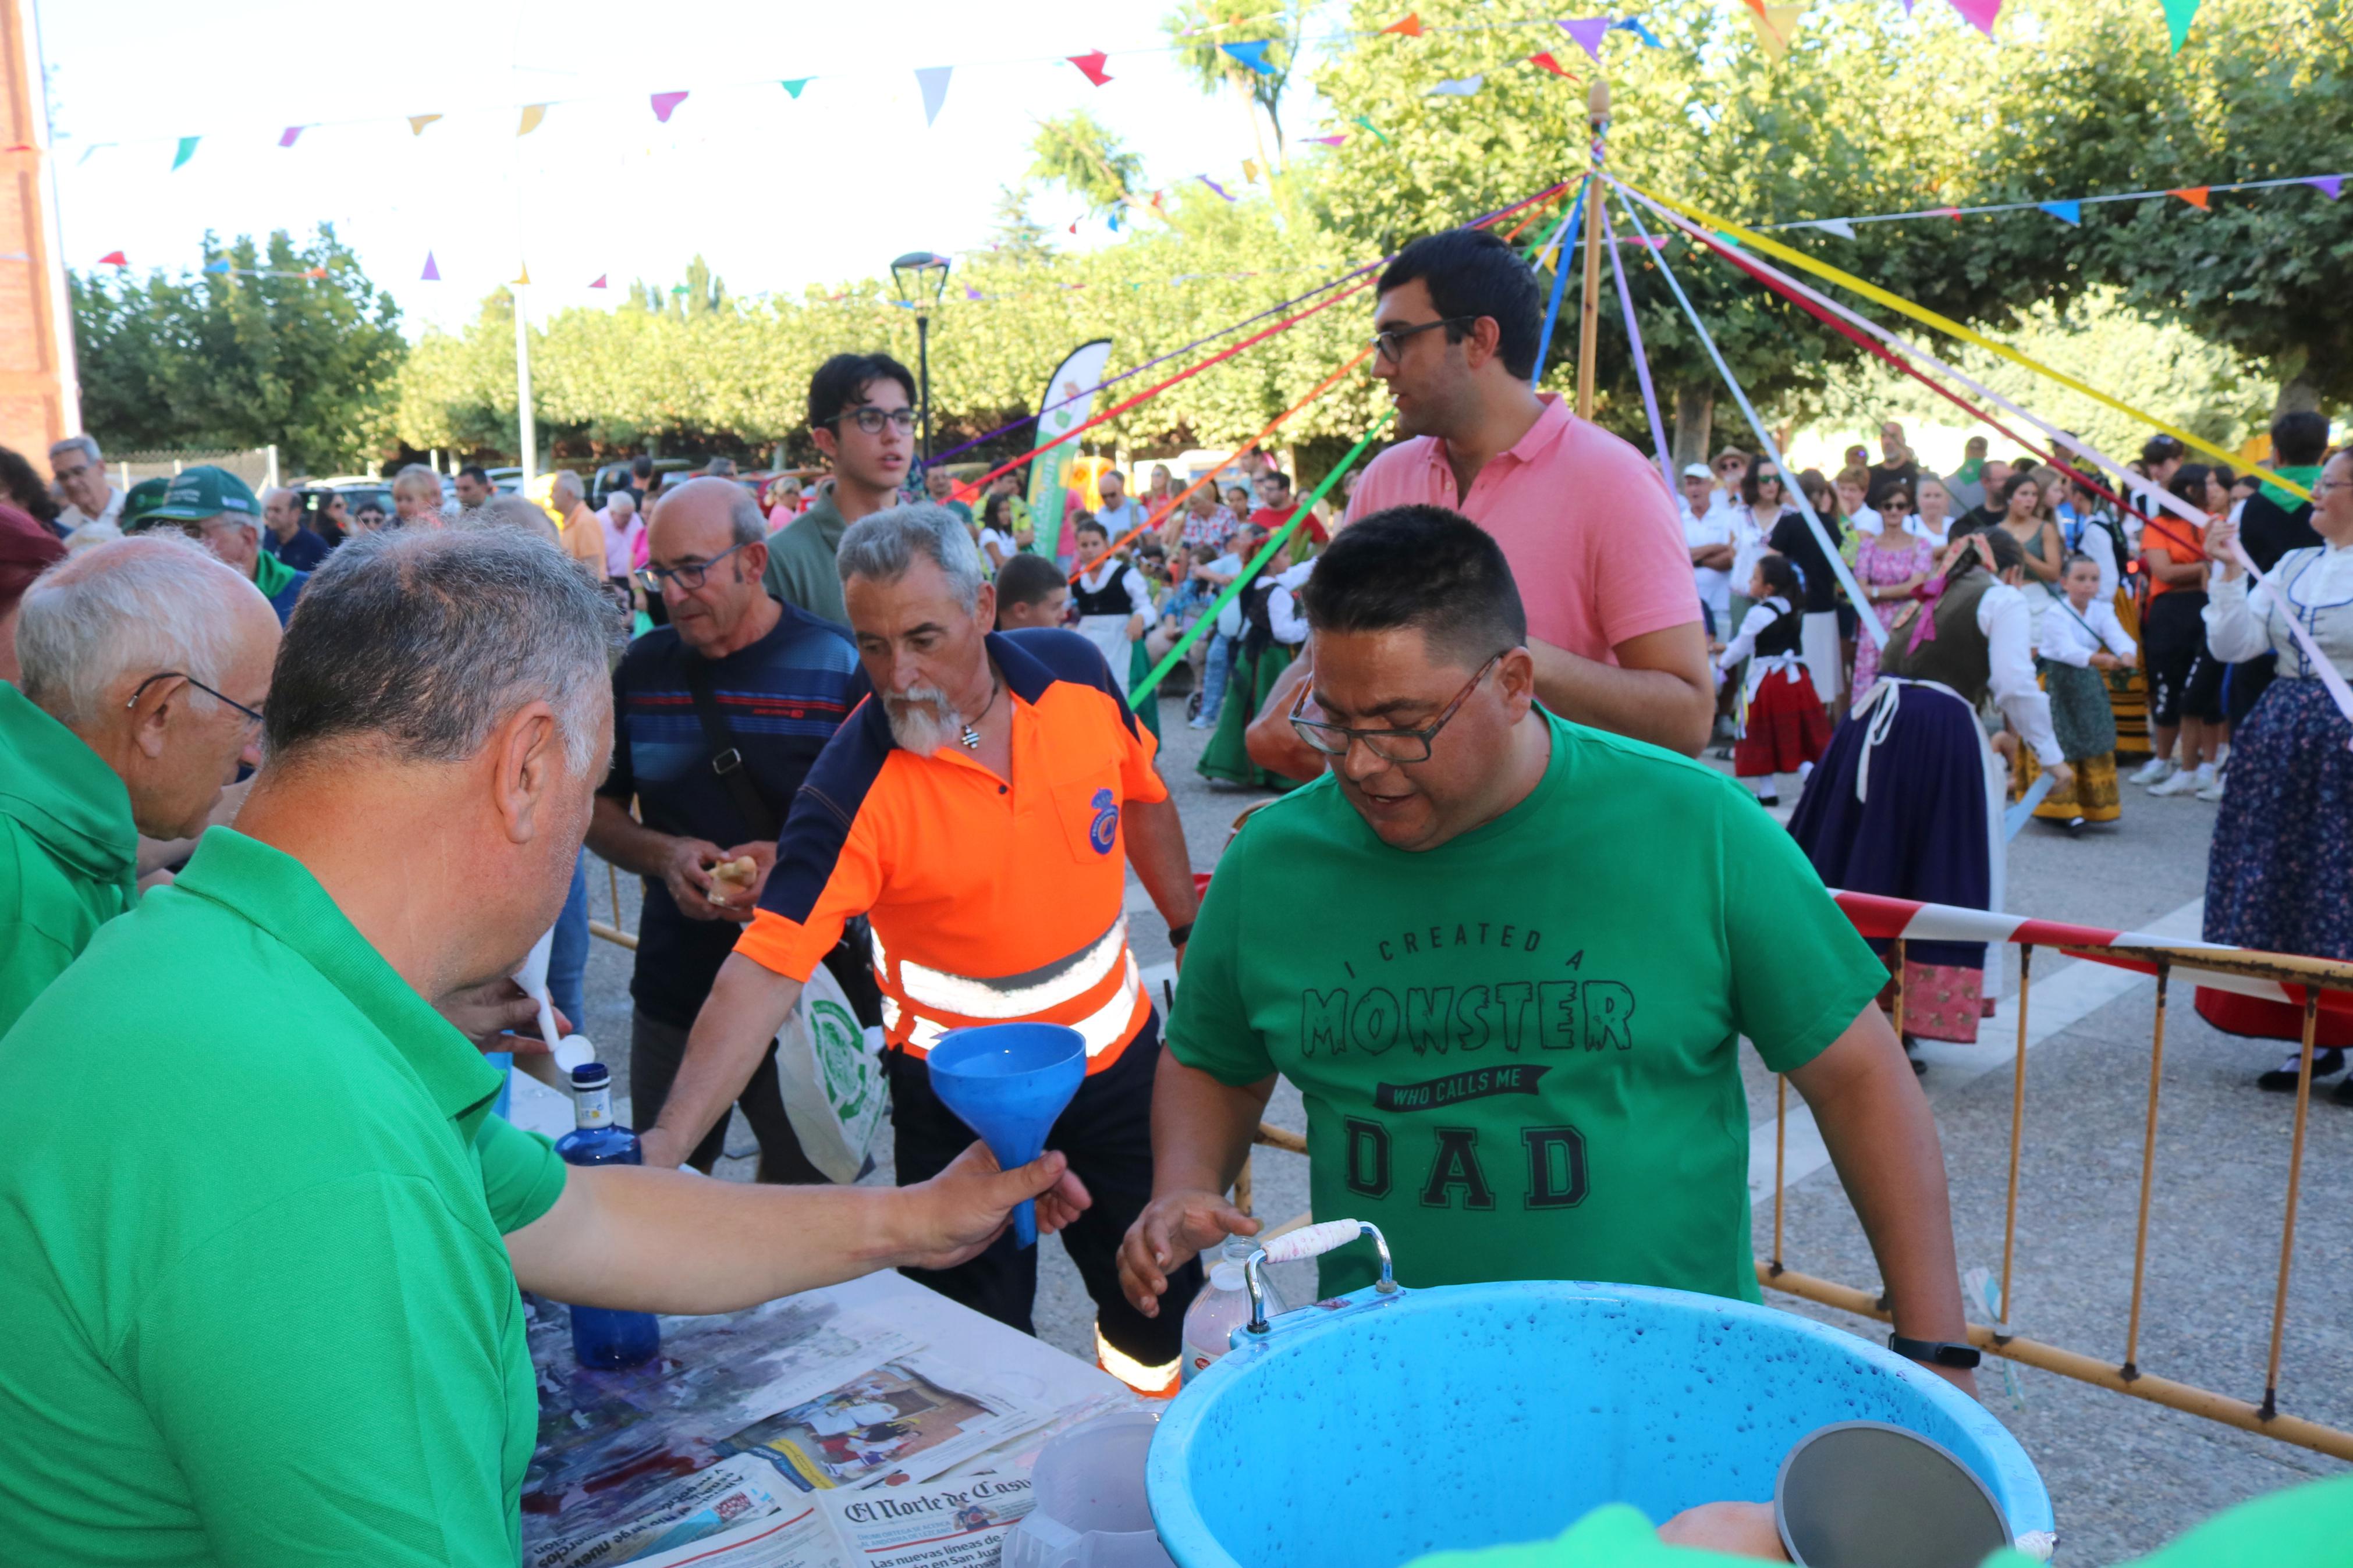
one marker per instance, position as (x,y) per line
(196,494)
(140,503)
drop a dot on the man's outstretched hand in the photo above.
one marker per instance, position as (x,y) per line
(958,1213)
(1173,1229)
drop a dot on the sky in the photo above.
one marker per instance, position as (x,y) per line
(775,193)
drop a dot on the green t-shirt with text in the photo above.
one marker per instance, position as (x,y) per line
(1518,1050)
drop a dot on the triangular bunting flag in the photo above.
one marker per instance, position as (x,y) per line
(1409,28)
(2329,186)
(286,137)
(1837,226)
(2194,195)
(933,82)
(1953,213)
(1978,14)
(1462,88)
(665,104)
(417,124)
(1589,32)
(795,86)
(113,259)
(431,274)
(1327,141)
(1213,186)
(679,290)
(600,281)
(188,150)
(314,272)
(1091,66)
(1251,52)
(1113,221)
(972,293)
(218,268)
(1074,227)
(2178,15)
(533,114)
(1374,129)
(1634,25)
(1776,26)
(2069,213)
(1250,170)
(1546,60)
(523,281)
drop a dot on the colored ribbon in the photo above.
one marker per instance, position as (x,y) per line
(1642,360)
(1559,280)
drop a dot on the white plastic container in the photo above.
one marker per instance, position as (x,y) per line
(1090,1510)
(1222,1306)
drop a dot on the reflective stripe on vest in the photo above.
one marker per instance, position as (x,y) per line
(936,1001)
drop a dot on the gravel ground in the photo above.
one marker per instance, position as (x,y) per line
(2124,1475)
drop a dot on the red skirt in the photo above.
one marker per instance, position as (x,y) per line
(1786,727)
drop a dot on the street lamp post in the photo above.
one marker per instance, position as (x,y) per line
(921,280)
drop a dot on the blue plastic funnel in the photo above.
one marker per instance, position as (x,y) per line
(1009,1082)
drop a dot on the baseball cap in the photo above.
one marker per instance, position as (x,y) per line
(1698,471)
(140,503)
(196,494)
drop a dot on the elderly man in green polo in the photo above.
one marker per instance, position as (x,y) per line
(261,1237)
(145,663)
(216,509)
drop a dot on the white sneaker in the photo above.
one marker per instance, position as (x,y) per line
(2154,771)
(2182,782)
(2214,791)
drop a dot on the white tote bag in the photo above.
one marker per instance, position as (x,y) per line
(831,1076)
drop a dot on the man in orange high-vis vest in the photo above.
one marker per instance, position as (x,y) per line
(981,809)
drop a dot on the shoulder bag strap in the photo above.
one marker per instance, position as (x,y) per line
(726,761)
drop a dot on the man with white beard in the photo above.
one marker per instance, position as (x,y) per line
(981,810)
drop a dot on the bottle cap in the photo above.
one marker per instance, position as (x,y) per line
(591,1076)
(572,1052)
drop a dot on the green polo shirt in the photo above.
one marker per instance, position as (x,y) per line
(68,852)
(801,569)
(257,1306)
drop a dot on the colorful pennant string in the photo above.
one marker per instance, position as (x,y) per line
(1091,66)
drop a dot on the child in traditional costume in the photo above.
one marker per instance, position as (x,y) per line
(1783,729)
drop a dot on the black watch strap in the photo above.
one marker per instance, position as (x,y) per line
(1179,935)
(1935,1352)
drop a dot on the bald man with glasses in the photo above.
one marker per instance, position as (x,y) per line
(861,415)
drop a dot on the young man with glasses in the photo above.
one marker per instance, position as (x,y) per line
(146,662)
(1508,959)
(717,718)
(861,415)
(1587,522)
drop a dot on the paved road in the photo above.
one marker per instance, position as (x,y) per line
(2125,1475)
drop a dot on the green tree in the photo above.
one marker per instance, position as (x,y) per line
(1077,153)
(2263,91)
(274,343)
(1198,27)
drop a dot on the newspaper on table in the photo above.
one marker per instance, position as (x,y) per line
(909,1420)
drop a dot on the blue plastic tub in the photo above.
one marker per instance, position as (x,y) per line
(1368,1433)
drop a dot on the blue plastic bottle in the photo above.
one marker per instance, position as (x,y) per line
(601,1337)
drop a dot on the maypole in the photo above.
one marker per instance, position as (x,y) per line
(1596,105)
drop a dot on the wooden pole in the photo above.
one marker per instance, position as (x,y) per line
(2131,1368)
(1589,320)
(2295,1180)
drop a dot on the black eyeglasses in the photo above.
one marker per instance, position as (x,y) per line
(253,715)
(688,577)
(1390,745)
(1389,342)
(871,419)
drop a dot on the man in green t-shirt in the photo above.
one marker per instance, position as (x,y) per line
(260,1235)
(1507,959)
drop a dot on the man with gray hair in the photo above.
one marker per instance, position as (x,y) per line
(80,476)
(253,1191)
(146,664)
(982,810)
(216,509)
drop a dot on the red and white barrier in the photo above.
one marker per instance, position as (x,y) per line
(1888,919)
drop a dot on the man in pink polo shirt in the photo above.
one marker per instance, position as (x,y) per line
(1586,522)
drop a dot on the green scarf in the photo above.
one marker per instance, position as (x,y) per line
(1967,473)
(2303,476)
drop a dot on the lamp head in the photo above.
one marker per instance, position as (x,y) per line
(920,273)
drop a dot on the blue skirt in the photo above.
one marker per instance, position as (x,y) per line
(1921,833)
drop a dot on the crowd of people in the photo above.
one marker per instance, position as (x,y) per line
(289,786)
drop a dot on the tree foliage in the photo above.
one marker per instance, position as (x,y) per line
(1196,28)
(226,359)
(1076,151)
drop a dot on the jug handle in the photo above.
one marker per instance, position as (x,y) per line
(1312,1241)
(1066,1547)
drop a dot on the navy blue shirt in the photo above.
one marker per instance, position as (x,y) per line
(303,552)
(783,696)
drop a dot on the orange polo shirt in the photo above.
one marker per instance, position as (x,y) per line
(992,899)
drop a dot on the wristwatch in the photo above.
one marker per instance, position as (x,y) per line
(1935,1352)
(1179,935)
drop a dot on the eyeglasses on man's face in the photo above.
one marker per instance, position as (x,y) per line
(1388,745)
(252,715)
(871,419)
(1389,342)
(688,577)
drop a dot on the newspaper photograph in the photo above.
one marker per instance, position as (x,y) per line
(732,1492)
(905,1420)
